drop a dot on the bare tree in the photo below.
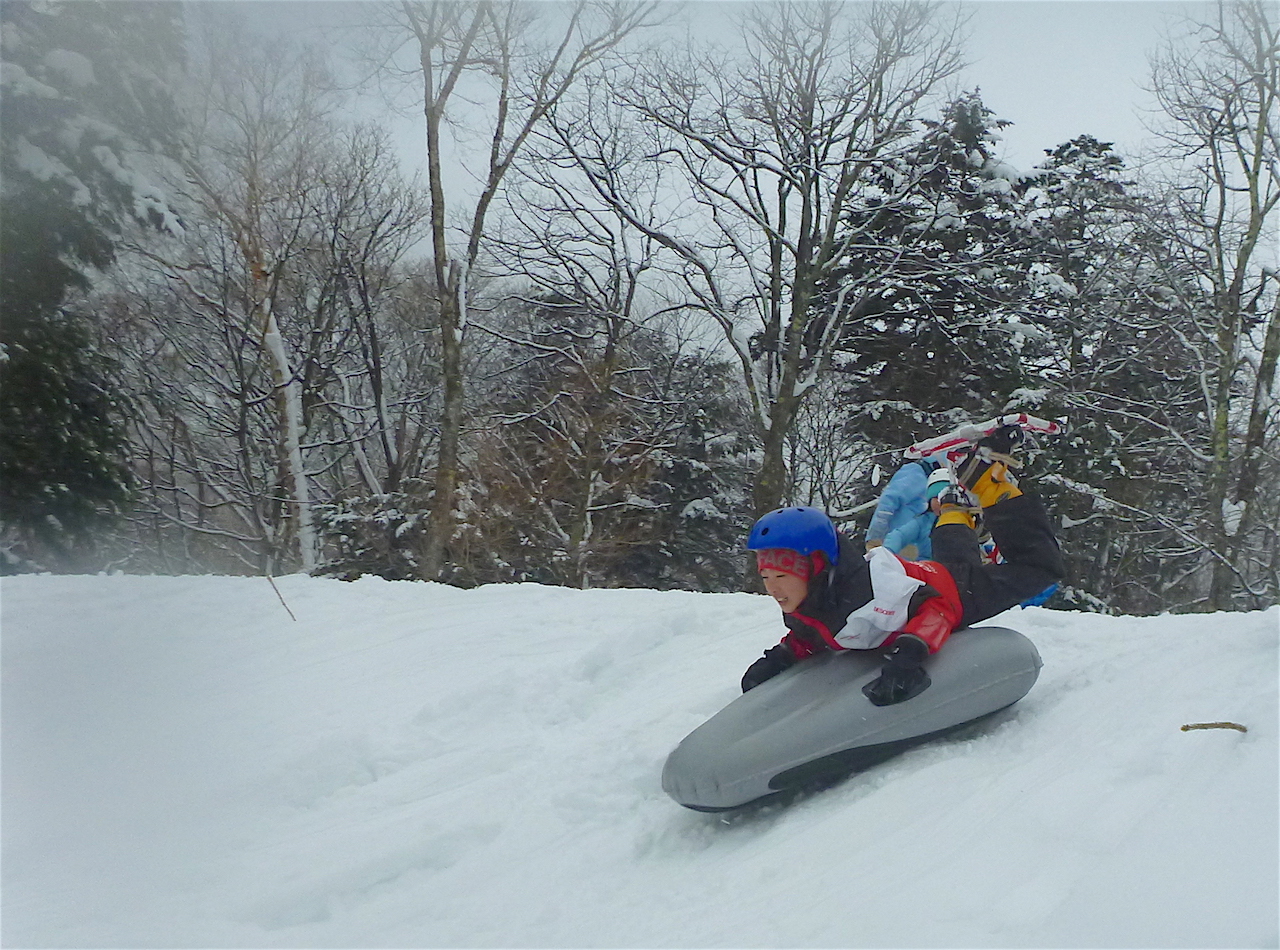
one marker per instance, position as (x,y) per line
(1219,94)
(761,155)
(510,63)
(367,367)
(249,162)
(263,339)
(590,359)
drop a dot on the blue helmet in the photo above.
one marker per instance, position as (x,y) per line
(798,528)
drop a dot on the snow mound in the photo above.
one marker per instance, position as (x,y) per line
(413,765)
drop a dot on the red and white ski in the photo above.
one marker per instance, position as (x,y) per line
(959,440)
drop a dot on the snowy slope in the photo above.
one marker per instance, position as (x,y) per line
(413,765)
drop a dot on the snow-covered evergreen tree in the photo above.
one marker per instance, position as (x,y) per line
(85,97)
(939,341)
(1117,371)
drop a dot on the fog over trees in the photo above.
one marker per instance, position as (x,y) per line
(649,284)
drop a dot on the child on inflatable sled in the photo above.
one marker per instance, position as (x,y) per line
(834,598)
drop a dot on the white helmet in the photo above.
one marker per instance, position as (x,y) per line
(937,482)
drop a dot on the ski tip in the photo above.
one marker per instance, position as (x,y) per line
(966,435)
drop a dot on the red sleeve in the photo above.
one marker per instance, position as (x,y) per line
(934,620)
(799,649)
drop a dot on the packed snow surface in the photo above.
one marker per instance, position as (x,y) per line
(410,765)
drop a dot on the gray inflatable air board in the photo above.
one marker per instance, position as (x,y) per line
(813,719)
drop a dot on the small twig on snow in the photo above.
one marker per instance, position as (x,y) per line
(1214,725)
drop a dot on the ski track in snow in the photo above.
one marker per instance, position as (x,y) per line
(415,765)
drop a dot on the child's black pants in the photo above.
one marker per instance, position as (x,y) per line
(1032,560)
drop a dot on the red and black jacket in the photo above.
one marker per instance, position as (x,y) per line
(835,593)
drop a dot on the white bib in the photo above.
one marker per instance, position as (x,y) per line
(886,611)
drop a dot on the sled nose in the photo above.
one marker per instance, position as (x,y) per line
(697,787)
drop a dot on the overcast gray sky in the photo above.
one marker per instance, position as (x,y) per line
(1055,68)
(1060,68)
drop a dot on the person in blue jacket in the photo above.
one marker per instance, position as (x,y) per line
(911,540)
(902,500)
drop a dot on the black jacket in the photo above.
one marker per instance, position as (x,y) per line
(834,593)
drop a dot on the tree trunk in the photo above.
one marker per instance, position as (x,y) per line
(443,520)
(289,403)
(1220,466)
(770,484)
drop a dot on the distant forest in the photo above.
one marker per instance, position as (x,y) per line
(648,286)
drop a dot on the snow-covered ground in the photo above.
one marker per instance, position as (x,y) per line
(409,765)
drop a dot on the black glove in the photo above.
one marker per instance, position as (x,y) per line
(774,661)
(902,677)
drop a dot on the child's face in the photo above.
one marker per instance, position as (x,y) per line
(787,589)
